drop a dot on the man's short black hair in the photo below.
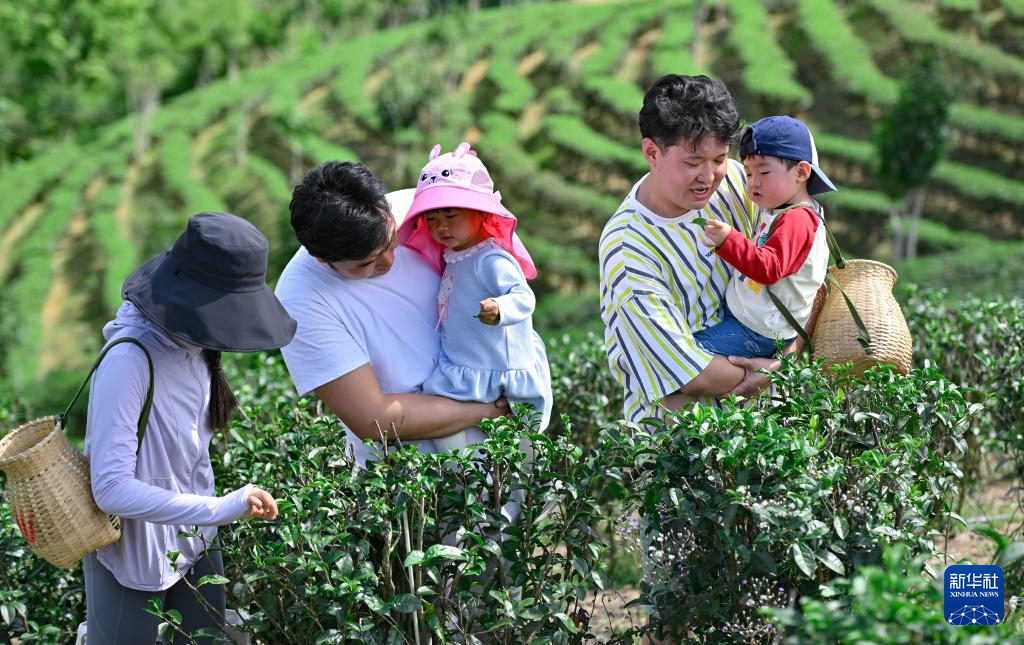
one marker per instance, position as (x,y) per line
(688,109)
(339,212)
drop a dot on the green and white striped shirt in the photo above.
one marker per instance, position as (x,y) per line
(659,285)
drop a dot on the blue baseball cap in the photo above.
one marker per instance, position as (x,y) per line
(786,138)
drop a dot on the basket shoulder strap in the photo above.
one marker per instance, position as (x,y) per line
(778,218)
(863,338)
(833,248)
(144,416)
(788,315)
(830,240)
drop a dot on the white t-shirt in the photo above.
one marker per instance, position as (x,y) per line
(388,321)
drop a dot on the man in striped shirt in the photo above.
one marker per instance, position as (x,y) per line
(659,283)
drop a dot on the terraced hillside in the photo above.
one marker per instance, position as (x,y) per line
(549,95)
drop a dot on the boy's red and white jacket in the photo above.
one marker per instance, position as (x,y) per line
(792,261)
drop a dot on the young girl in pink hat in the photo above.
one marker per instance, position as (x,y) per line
(489,349)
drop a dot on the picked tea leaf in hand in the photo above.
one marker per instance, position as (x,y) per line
(699,221)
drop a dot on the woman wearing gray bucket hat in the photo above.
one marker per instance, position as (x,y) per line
(203,296)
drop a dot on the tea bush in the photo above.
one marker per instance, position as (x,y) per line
(38,602)
(891,603)
(755,506)
(583,387)
(412,545)
(744,507)
(978,344)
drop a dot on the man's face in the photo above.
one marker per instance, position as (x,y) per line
(373,265)
(686,176)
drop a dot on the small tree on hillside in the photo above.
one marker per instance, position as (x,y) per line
(910,139)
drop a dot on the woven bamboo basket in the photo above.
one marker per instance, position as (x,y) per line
(869,285)
(50,494)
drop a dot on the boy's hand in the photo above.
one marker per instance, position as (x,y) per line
(490,313)
(717,232)
(262,505)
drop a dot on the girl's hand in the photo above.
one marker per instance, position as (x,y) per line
(262,505)
(717,232)
(490,313)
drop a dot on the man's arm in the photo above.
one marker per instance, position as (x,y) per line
(357,399)
(719,376)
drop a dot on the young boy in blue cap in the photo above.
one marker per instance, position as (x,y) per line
(788,256)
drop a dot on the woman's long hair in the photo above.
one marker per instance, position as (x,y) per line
(222,399)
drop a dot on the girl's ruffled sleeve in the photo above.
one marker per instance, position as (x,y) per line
(503,278)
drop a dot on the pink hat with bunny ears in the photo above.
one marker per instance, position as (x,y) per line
(460,180)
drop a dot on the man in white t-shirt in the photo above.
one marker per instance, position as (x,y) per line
(366,312)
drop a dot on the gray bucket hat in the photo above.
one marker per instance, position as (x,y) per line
(210,289)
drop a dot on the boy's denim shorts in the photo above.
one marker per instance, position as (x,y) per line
(731,338)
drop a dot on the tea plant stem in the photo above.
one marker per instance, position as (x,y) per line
(412,578)
(528,515)
(945,543)
(551,554)
(421,616)
(277,598)
(421,524)
(496,487)
(207,607)
(389,549)
(282,628)
(167,618)
(408,548)
(502,577)
(281,608)
(455,586)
